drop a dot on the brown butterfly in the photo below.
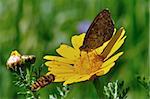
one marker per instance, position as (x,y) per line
(100,31)
(42,82)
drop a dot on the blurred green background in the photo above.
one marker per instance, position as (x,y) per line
(40,26)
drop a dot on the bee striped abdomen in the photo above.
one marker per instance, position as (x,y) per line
(42,82)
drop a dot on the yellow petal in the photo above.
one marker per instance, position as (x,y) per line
(59,68)
(77,78)
(83,78)
(114,31)
(118,44)
(99,73)
(112,59)
(68,52)
(105,70)
(100,49)
(116,47)
(57,79)
(48,63)
(62,74)
(77,41)
(61,77)
(59,59)
(122,34)
(60,71)
(112,42)
(72,79)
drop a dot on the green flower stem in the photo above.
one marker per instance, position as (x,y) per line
(28,75)
(34,95)
(99,87)
(28,79)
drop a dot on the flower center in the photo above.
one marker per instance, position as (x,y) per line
(88,63)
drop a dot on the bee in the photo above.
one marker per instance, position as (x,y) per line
(16,60)
(42,82)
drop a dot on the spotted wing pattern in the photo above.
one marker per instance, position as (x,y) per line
(100,31)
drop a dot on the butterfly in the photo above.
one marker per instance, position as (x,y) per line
(100,31)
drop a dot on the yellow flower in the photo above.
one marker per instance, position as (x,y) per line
(75,66)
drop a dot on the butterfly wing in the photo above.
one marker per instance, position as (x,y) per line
(100,31)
